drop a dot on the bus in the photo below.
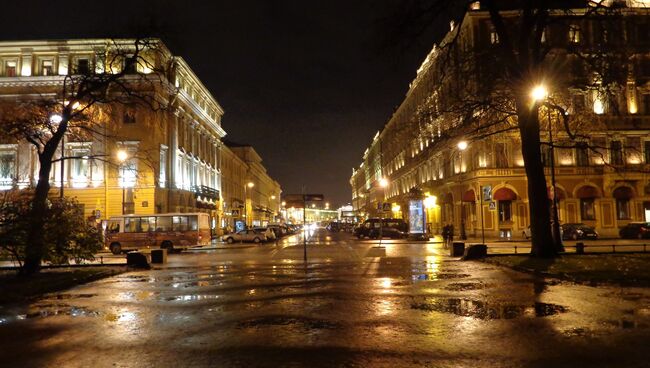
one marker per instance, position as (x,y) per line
(171,231)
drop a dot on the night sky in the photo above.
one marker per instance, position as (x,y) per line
(307,83)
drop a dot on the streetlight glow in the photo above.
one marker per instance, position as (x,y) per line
(539,93)
(462,145)
(383,182)
(122,155)
(250,184)
(56,118)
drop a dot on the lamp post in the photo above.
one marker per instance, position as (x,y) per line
(383,184)
(540,93)
(122,156)
(248,185)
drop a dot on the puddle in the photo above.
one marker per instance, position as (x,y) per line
(464,286)
(49,311)
(310,324)
(625,324)
(74,296)
(488,311)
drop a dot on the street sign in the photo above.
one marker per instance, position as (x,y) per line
(487,193)
(493,206)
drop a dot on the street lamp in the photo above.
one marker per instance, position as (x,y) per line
(122,156)
(540,93)
(248,185)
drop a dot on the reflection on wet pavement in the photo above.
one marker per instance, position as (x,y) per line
(409,306)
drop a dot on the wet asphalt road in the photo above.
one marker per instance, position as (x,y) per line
(353,305)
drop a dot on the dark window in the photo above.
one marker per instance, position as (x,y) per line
(164,223)
(578,101)
(83,66)
(623,209)
(582,154)
(546,155)
(646,151)
(505,211)
(129,115)
(645,102)
(616,153)
(587,209)
(130,65)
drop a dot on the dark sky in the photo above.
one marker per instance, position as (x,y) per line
(307,83)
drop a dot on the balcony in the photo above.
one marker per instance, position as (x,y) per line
(206,192)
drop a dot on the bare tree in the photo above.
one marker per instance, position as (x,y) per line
(127,72)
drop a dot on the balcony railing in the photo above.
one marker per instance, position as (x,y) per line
(206,192)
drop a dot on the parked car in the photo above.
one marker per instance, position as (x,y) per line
(267,231)
(578,231)
(249,235)
(392,228)
(635,230)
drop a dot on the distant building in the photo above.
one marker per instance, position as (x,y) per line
(250,195)
(315,211)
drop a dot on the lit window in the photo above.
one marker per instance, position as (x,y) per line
(494,37)
(80,168)
(7,169)
(10,69)
(616,153)
(574,33)
(47,67)
(162,180)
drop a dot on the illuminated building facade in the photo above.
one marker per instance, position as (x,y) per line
(250,195)
(606,187)
(173,156)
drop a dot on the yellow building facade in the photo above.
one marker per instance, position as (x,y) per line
(606,187)
(173,155)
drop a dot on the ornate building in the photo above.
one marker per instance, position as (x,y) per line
(171,158)
(603,183)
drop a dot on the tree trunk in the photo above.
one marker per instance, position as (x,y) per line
(34,249)
(540,215)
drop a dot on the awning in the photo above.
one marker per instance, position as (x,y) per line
(623,193)
(469,196)
(504,194)
(558,192)
(587,192)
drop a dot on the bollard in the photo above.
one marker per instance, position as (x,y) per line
(457,249)
(101,259)
(159,256)
(580,248)
(515,249)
